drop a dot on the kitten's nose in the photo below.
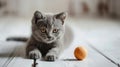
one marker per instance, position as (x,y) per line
(50,38)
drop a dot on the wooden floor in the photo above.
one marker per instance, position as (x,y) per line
(101,38)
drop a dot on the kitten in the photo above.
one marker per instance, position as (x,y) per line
(48,37)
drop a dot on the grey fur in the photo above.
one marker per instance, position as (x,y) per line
(48,44)
(43,46)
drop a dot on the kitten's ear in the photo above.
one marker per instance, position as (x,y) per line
(37,15)
(61,16)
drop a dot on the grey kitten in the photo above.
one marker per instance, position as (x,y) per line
(50,36)
(47,39)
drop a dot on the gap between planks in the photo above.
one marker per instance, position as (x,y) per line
(94,48)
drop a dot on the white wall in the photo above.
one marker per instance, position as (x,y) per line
(115,7)
(27,7)
(118,7)
(78,7)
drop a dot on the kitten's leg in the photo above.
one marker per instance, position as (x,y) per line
(33,53)
(53,54)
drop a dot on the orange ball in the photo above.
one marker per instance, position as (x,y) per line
(80,53)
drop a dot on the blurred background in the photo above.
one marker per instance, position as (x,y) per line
(95,18)
(25,8)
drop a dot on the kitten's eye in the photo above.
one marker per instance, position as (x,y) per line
(43,30)
(55,30)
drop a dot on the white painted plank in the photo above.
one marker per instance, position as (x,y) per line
(6,52)
(13,26)
(103,34)
(94,59)
(67,59)
(109,47)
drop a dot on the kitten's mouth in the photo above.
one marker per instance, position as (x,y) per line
(49,40)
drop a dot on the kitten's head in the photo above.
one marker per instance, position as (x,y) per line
(48,27)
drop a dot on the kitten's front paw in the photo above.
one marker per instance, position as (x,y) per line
(35,54)
(50,58)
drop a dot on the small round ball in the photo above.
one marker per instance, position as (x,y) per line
(80,53)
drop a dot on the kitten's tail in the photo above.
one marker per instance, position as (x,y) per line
(23,39)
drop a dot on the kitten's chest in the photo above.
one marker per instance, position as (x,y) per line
(44,48)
